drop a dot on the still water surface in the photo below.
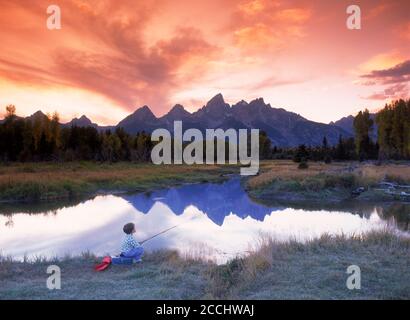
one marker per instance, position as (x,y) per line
(217,221)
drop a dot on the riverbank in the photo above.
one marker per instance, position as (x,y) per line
(279,180)
(291,270)
(334,182)
(60,181)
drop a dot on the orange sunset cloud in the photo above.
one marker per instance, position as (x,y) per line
(111,57)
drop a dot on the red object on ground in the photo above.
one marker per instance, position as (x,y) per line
(106,262)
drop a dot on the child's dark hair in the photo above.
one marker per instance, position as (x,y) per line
(129,228)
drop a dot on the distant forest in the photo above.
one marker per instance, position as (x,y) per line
(44,139)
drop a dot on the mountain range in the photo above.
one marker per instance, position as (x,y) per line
(284,128)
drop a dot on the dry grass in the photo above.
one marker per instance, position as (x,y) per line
(91,172)
(390,172)
(49,181)
(317,269)
(273,270)
(287,170)
(328,175)
(45,181)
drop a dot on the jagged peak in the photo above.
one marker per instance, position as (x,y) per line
(216,100)
(145,110)
(38,113)
(241,103)
(177,107)
(82,118)
(177,111)
(259,101)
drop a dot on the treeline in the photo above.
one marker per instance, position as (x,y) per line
(42,138)
(394,130)
(343,150)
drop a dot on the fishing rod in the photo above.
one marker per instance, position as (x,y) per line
(158,234)
(166,230)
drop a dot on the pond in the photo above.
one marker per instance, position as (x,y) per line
(214,221)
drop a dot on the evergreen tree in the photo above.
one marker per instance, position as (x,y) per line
(363,126)
(301,154)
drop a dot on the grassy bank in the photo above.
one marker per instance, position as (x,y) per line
(49,181)
(282,180)
(278,179)
(315,270)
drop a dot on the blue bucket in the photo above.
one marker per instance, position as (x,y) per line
(121,261)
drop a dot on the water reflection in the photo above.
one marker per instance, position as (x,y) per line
(215,220)
(217,201)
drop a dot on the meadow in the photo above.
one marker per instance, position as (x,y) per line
(278,179)
(57,181)
(274,270)
(282,180)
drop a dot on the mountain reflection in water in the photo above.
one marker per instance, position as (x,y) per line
(217,221)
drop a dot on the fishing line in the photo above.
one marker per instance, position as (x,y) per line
(166,230)
(158,234)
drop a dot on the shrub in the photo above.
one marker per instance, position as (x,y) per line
(303,164)
(328,159)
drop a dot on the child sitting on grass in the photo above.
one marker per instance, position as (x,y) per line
(130,248)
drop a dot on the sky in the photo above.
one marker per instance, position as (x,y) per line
(111,57)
